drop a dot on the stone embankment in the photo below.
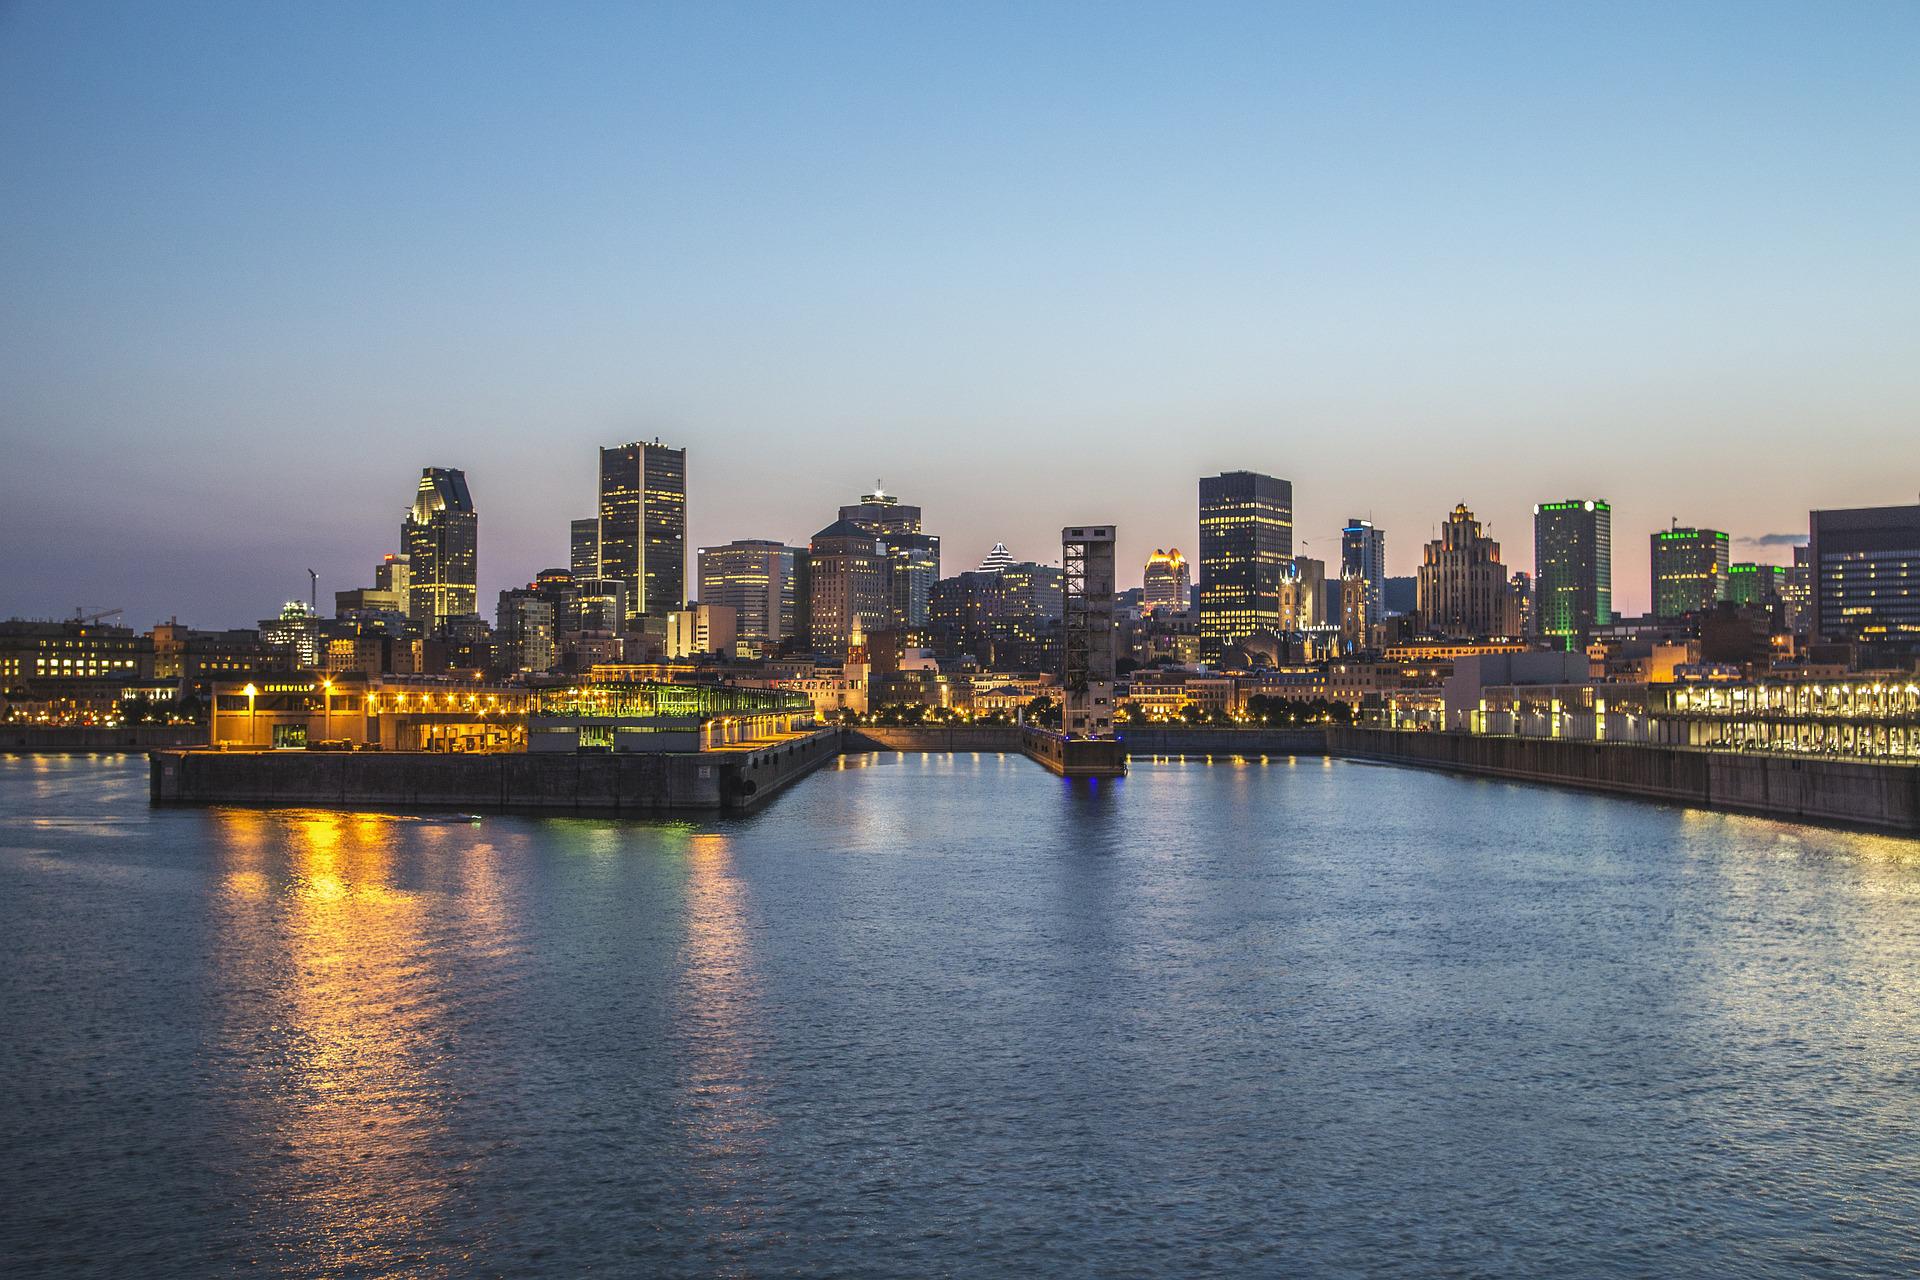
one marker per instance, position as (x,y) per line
(1855,793)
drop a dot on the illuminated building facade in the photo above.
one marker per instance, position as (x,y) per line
(1462,589)
(701,629)
(847,586)
(1303,594)
(1862,717)
(386,601)
(1520,596)
(756,578)
(1356,624)
(441,540)
(1796,597)
(1246,538)
(296,632)
(583,547)
(1008,620)
(195,657)
(400,713)
(996,559)
(524,631)
(1761,584)
(1572,569)
(1363,554)
(34,651)
(1690,571)
(913,555)
(882,513)
(1865,567)
(1167,582)
(643,525)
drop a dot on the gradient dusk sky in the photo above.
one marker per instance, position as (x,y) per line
(1026,264)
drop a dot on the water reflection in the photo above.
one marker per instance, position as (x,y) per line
(345,1086)
(718,1019)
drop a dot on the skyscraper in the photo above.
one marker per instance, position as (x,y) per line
(1246,537)
(881,512)
(1462,588)
(997,559)
(1572,569)
(583,549)
(913,555)
(847,583)
(1363,554)
(643,525)
(755,578)
(441,540)
(1757,584)
(524,630)
(1690,568)
(1865,570)
(1168,582)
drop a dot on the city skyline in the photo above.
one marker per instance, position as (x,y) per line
(1382,253)
(1774,548)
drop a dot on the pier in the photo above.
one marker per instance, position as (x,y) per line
(738,778)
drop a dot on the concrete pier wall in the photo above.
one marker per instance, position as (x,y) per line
(1075,757)
(1139,741)
(985,737)
(136,737)
(550,782)
(1163,741)
(1883,797)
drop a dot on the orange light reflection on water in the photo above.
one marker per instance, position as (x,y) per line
(719,1002)
(347,1098)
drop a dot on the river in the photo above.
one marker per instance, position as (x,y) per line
(934,1014)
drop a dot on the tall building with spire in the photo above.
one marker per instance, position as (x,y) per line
(1463,589)
(441,540)
(643,525)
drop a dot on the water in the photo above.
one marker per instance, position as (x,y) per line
(950,1015)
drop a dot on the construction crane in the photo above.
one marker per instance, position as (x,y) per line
(85,619)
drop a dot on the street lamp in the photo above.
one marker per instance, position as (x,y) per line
(326,703)
(251,693)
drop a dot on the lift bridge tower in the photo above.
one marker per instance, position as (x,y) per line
(1087,631)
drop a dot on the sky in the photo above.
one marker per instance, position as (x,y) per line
(1024,265)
